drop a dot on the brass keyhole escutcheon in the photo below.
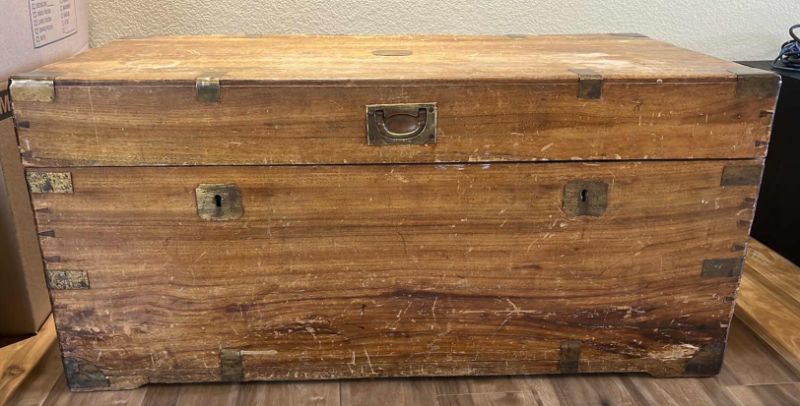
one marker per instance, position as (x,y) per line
(585,198)
(219,202)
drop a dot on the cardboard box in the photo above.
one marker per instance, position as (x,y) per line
(32,33)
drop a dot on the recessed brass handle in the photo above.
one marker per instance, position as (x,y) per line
(393,124)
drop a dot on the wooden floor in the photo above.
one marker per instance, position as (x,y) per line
(753,374)
(769,301)
(20,359)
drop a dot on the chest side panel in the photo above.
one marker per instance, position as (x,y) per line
(362,271)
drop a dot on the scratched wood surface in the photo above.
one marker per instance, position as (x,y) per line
(769,301)
(458,264)
(354,58)
(751,375)
(301,100)
(372,270)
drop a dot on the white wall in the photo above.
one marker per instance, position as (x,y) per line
(732,29)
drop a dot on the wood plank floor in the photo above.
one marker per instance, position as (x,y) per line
(20,359)
(769,301)
(753,374)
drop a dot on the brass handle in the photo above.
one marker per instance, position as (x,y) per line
(402,120)
(392,124)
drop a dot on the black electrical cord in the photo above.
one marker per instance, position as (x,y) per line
(789,57)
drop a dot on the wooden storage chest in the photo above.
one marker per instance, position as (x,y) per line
(239,208)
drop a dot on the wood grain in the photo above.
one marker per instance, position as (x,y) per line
(304,102)
(19,359)
(462,257)
(752,374)
(352,59)
(36,387)
(769,301)
(777,273)
(767,395)
(162,125)
(369,270)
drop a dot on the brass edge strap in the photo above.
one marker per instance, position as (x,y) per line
(590,83)
(722,267)
(752,82)
(231,365)
(569,362)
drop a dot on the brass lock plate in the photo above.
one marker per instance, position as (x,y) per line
(401,124)
(219,202)
(585,198)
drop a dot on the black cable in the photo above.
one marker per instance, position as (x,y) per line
(789,57)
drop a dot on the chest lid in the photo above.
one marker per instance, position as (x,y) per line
(415,99)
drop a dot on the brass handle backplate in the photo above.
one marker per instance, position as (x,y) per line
(398,124)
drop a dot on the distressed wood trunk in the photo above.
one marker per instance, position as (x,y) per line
(236,209)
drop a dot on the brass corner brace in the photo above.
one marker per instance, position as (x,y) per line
(82,375)
(34,87)
(752,82)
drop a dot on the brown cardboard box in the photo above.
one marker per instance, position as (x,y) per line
(32,33)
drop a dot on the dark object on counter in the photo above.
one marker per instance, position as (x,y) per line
(789,57)
(777,220)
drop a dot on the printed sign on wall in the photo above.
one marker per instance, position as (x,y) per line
(52,20)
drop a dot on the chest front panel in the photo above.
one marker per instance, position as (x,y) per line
(359,271)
